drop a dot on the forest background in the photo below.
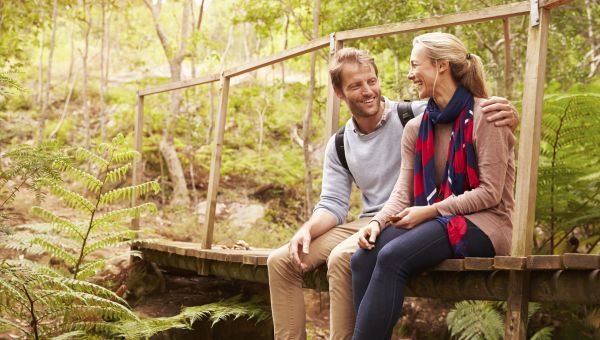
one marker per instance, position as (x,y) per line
(71,68)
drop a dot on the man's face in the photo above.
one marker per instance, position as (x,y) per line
(360,89)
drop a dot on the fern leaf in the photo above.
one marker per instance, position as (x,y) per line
(60,224)
(543,334)
(113,240)
(7,325)
(86,155)
(70,335)
(91,182)
(118,174)
(72,199)
(127,193)
(90,269)
(120,214)
(127,155)
(475,320)
(56,251)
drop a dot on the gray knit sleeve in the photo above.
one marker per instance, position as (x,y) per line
(336,186)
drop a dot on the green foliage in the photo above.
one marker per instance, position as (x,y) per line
(39,303)
(102,226)
(28,167)
(484,320)
(568,187)
(232,308)
(475,320)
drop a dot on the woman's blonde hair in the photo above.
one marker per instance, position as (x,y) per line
(466,68)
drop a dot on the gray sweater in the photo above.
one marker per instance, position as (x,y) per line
(374,163)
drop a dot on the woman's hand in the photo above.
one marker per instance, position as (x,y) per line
(413,216)
(368,234)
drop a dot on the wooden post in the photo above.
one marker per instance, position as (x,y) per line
(508,77)
(332,117)
(137,163)
(215,165)
(527,174)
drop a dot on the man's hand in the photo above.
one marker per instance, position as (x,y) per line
(413,216)
(367,235)
(301,240)
(501,112)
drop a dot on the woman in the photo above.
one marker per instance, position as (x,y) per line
(458,172)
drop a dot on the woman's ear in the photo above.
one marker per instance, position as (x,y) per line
(443,65)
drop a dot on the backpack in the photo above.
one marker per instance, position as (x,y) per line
(405,113)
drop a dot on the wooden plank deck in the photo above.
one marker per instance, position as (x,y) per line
(556,278)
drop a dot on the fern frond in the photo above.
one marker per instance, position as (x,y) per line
(97,327)
(91,182)
(72,199)
(120,214)
(475,320)
(117,310)
(127,193)
(90,269)
(127,155)
(56,251)
(112,240)
(60,224)
(70,335)
(85,155)
(7,325)
(37,268)
(543,334)
(118,174)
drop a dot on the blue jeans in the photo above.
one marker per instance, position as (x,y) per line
(379,275)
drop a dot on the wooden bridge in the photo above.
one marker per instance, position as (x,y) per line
(518,278)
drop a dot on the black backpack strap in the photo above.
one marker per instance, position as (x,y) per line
(405,112)
(339,147)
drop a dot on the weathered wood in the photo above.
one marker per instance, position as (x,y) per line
(137,174)
(179,85)
(510,263)
(312,45)
(486,14)
(544,262)
(332,108)
(526,183)
(215,165)
(479,263)
(451,265)
(581,261)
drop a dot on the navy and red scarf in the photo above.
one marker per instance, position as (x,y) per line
(460,174)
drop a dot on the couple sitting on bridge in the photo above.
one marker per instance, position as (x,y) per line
(455,204)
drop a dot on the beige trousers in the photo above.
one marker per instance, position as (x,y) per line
(285,283)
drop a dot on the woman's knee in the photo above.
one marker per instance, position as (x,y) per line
(362,260)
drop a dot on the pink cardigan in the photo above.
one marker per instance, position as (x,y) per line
(488,206)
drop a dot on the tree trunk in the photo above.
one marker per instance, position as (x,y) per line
(285,46)
(508,69)
(40,94)
(46,98)
(84,96)
(167,147)
(308,196)
(594,59)
(103,73)
(211,114)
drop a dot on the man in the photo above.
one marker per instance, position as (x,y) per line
(372,148)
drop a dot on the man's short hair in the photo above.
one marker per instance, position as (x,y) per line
(344,56)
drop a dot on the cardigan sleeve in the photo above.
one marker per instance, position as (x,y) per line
(402,195)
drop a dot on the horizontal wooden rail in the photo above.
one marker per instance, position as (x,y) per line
(179,85)
(313,45)
(486,14)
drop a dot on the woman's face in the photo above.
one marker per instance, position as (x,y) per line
(423,72)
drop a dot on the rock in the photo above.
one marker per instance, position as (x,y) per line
(201,210)
(245,216)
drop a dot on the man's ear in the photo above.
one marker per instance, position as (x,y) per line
(338,92)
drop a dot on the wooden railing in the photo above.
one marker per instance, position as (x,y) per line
(529,139)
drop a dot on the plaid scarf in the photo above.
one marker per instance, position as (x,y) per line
(460,174)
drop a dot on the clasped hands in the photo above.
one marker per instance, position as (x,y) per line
(406,219)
